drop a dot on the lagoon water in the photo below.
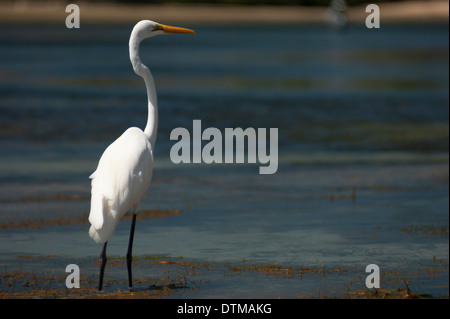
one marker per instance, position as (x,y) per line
(363,126)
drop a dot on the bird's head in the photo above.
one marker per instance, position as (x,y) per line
(147,28)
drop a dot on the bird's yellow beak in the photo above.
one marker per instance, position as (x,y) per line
(175,30)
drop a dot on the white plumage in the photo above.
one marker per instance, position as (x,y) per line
(124,171)
(120,181)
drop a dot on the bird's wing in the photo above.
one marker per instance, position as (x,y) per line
(124,172)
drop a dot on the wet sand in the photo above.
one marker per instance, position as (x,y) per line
(95,13)
(177,277)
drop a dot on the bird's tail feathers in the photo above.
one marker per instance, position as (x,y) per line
(103,223)
(101,235)
(97,214)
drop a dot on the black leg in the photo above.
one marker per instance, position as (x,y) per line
(129,253)
(102,266)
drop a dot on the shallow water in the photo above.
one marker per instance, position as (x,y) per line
(363,151)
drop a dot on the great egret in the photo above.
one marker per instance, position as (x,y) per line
(124,171)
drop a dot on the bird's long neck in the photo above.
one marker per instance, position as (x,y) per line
(140,69)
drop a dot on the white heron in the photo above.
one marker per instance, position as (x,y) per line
(124,171)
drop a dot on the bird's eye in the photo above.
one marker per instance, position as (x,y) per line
(157,27)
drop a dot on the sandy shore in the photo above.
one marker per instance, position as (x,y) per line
(92,13)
